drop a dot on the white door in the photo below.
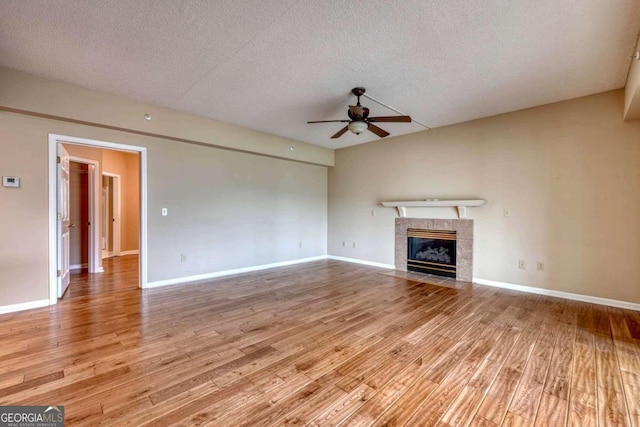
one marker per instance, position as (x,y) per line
(63,220)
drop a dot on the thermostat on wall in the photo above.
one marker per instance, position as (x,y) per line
(10,181)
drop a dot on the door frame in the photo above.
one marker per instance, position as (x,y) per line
(54,140)
(117,212)
(94,208)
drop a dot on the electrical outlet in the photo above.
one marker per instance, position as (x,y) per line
(354,245)
(344,244)
(183,258)
(507,212)
(521,264)
(540,266)
(373,212)
(165,212)
(300,245)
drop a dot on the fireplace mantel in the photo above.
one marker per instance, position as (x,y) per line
(434,203)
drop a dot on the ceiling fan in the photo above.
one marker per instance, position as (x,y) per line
(359,119)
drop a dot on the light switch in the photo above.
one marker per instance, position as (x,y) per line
(165,211)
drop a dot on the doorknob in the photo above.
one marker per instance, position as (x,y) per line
(71,225)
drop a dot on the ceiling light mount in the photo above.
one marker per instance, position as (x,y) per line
(358,91)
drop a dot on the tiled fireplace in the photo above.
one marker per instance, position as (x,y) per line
(431,260)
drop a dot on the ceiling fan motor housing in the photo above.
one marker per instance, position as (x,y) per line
(358,112)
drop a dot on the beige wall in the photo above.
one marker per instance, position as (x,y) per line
(229,210)
(569,172)
(127,166)
(21,91)
(130,200)
(632,90)
(226,209)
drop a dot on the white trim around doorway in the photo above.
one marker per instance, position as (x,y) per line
(117,214)
(54,140)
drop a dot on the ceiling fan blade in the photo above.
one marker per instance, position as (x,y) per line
(340,132)
(389,119)
(330,121)
(380,132)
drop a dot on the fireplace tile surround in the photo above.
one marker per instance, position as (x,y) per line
(464,248)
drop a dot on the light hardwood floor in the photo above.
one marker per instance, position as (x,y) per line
(121,274)
(324,343)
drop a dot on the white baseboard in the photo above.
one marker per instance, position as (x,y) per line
(559,294)
(132,252)
(100,270)
(361,261)
(23,306)
(78,266)
(504,285)
(206,276)
(521,288)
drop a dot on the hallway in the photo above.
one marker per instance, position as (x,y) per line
(120,274)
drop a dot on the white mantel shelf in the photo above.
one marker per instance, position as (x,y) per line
(462,205)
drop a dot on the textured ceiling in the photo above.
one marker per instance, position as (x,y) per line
(273,65)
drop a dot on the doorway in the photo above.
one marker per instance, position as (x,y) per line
(110,229)
(57,253)
(107,220)
(80,217)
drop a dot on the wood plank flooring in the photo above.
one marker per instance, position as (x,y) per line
(121,273)
(324,343)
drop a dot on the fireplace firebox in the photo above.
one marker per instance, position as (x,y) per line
(432,251)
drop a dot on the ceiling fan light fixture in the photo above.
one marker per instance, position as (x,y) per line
(359,119)
(358,127)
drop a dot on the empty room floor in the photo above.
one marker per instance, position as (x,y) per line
(323,343)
